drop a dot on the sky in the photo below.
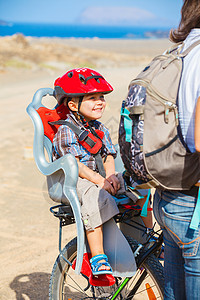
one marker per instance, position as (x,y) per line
(165,13)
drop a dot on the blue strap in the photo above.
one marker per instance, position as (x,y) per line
(127,124)
(144,208)
(98,257)
(196,215)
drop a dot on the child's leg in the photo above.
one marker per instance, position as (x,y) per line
(148,221)
(95,241)
(97,207)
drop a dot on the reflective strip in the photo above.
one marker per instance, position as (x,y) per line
(127,124)
(196,215)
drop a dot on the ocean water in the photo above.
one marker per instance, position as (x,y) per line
(82,31)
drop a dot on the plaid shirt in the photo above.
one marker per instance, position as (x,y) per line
(66,141)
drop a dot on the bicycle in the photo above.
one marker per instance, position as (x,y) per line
(148,283)
(62,177)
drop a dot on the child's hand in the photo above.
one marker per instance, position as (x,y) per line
(106,185)
(114,181)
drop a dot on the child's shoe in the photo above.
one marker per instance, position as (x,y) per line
(97,261)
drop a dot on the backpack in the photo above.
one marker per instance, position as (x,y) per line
(151,147)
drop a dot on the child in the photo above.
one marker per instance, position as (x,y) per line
(82,91)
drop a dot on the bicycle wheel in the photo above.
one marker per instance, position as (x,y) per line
(65,284)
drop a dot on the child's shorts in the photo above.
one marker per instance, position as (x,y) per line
(97,205)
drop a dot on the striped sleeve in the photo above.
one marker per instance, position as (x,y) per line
(65,141)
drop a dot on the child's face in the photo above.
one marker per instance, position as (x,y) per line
(92,106)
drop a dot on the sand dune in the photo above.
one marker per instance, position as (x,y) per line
(40,53)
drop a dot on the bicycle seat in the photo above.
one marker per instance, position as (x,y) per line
(62,176)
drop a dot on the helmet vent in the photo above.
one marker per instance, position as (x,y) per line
(82,78)
(70,74)
(96,77)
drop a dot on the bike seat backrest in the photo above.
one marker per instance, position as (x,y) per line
(55,182)
(49,115)
(64,168)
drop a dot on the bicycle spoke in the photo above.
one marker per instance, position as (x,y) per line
(131,289)
(76,283)
(144,290)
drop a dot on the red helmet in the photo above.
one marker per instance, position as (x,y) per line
(79,82)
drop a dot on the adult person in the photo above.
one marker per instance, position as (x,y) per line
(174,209)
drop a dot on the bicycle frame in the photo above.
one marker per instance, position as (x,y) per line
(152,250)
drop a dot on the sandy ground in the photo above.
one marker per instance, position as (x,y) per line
(29,233)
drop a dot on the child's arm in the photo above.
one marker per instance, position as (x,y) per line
(87,173)
(109,166)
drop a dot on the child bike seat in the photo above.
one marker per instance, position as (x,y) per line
(66,165)
(62,176)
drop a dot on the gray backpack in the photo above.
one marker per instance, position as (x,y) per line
(151,147)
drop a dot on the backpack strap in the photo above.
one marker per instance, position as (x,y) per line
(194,224)
(88,141)
(139,196)
(185,52)
(177,47)
(145,206)
(127,122)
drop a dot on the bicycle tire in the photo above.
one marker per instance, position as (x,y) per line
(60,290)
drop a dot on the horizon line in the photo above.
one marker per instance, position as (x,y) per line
(11,23)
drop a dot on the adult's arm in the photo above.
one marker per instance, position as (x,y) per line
(197,126)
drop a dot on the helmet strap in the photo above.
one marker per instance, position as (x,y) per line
(78,113)
(83,120)
(79,102)
(81,117)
